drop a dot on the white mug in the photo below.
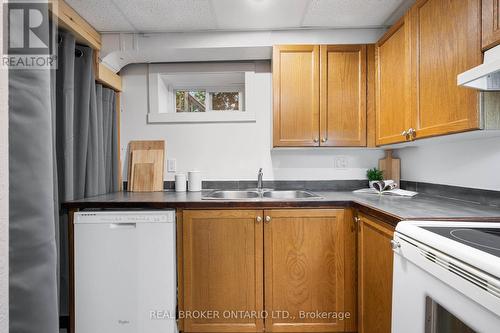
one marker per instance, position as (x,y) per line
(194,183)
(180,182)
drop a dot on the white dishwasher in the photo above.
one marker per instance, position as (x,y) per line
(125,271)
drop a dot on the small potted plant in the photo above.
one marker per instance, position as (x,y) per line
(374,175)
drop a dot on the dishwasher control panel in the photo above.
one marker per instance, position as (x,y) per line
(126,217)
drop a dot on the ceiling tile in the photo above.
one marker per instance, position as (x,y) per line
(192,15)
(349,13)
(259,14)
(168,15)
(101,14)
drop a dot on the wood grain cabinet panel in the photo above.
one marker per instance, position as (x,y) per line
(343,95)
(223,269)
(375,264)
(319,95)
(490,23)
(304,269)
(392,84)
(445,41)
(299,265)
(296,95)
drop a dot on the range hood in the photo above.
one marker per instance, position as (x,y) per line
(486,76)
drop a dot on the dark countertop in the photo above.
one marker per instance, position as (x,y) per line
(390,208)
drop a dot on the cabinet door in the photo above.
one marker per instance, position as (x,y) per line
(223,264)
(343,95)
(375,260)
(392,84)
(296,95)
(304,269)
(446,39)
(490,23)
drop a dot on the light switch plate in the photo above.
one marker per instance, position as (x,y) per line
(171,165)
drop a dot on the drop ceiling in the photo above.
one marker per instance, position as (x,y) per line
(236,15)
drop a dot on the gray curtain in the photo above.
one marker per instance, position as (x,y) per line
(32,245)
(62,146)
(86,139)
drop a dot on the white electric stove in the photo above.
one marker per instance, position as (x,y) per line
(446,277)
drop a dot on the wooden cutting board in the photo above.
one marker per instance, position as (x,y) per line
(146,166)
(391,167)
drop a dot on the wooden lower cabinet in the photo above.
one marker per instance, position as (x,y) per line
(299,265)
(375,262)
(222,270)
(304,269)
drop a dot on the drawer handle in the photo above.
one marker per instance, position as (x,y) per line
(122,226)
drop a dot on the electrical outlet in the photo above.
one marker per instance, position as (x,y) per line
(171,165)
(340,162)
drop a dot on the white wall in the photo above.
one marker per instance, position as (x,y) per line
(469,163)
(232,151)
(4,197)
(229,151)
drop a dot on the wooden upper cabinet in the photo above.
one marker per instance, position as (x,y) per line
(375,265)
(392,84)
(296,95)
(343,95)
(320,95)
(445,41)
(223,268)
(305,266)
(490,23)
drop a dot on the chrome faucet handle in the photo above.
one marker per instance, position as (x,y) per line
(259,179)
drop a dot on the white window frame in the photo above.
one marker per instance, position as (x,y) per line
(162,106)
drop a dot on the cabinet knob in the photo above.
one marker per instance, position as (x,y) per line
(315,140)
(268,219)
(357,224)
(395,244)
(404,133)
(412,133)
(258,219)
(324,140)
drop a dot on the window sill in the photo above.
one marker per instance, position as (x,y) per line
(202,117)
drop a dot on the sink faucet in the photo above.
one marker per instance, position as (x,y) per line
(259,179)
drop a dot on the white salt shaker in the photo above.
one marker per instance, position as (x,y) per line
(180,182)
(194,181)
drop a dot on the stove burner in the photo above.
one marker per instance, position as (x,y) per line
(488,239)
(483,239)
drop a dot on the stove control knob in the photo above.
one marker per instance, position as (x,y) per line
(395,244)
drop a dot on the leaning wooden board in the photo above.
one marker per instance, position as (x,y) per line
(146,166)
(391,167)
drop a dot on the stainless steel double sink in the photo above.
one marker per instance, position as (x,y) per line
(260,194)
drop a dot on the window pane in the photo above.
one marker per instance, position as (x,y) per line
(225,101)
(190,101)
